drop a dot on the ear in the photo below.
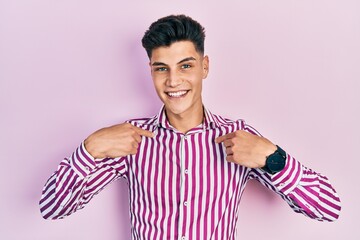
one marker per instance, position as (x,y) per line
(205,66)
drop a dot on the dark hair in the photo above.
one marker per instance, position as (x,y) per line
(173,28)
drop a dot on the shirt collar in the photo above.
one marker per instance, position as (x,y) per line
(210,120)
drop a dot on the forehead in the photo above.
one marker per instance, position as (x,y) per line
(174,53)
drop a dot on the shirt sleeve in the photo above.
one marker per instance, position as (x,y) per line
(305,190)
(76,181)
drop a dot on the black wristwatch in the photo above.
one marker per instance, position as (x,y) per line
(275,162)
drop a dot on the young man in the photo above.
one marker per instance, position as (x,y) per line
(186,167)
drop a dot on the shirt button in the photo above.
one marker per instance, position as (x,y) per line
(186,171)
(87,168)
(185,137)
(185,203)
(183,238)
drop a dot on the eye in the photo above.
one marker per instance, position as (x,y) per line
(185,66)
(160,69)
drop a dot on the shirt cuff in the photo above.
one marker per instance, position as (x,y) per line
(82,162)
(288,179)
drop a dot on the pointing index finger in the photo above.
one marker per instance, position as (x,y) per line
(143,132)
(224,137)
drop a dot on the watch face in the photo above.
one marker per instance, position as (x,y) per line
(275,162)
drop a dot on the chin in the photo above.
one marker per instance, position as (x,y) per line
(177,110)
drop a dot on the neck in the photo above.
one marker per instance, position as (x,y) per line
(185,121)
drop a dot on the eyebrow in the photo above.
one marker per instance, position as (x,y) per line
(184,60)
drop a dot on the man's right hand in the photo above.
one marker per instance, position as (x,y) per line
(115,141)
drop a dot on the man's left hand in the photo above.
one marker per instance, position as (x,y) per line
(246,149)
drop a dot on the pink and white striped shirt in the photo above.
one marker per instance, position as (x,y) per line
(181,186)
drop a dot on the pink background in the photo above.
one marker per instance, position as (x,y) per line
(290,68)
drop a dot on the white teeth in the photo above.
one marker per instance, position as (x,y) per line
(176,94)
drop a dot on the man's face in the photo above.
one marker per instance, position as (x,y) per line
(178,72)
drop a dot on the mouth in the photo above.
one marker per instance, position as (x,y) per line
(177,94)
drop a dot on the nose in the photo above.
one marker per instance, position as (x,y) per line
(173,80)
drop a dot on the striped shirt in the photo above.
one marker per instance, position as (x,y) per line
(181,186)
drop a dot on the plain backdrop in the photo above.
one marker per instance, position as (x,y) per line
(290,68)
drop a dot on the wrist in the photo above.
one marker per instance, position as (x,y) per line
(91,149)
(271,149)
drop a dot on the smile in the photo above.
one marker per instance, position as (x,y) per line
(177,94)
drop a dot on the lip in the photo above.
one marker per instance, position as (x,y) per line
(177,94)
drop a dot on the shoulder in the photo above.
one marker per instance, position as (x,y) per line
(222,121)
(238,124)
(147,123)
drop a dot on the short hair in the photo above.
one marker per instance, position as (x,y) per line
(173,28)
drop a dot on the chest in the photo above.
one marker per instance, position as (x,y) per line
(173,165)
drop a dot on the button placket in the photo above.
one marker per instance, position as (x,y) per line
(183,189)
(185,173)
